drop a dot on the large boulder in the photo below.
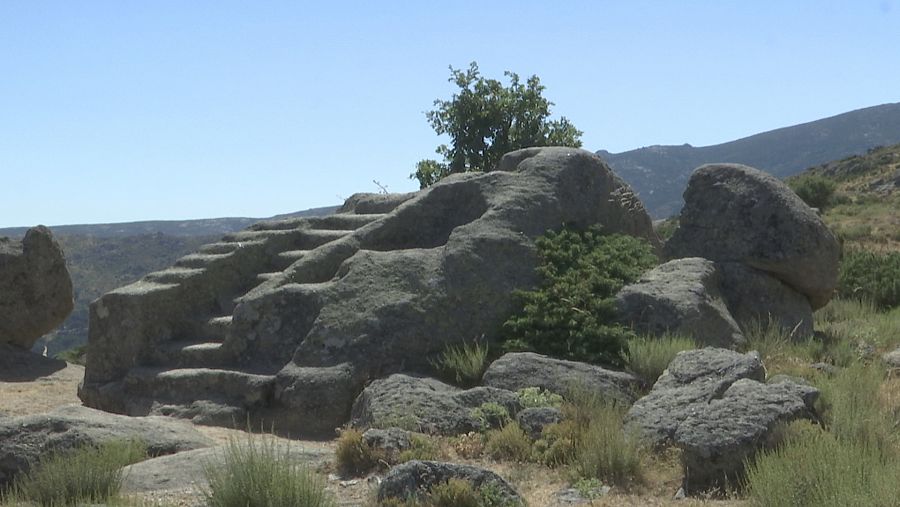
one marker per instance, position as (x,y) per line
(681,297)
(734,213)
(35,288)
(25,439)
(414,478)
(427,405)
(519,370)
(719,437)
(324,305)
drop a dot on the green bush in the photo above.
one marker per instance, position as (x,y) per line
(815,468)
(455,493)
(491,415)
(353,456)
(571,314)
(535,397)
(508,443)
(420,448)
(462,364)
(816,191)
(872,276)
(85,475)
(261,472)
(649,356)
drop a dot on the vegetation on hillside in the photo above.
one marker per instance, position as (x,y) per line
(485,120)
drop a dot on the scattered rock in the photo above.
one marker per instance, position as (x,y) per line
(572,496)
(24,439)
(518,370)
(892,358)
(35,288)
(533,420)
(426,405)
(413,478)
(734,213)
(692,380)
(826,368)
(391,440)
(682,297)
(718,438)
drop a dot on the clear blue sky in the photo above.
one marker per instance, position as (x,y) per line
(128,110)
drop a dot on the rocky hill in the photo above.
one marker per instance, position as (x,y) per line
(659,174)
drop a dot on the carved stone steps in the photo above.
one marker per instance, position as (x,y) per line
(288,257)
(265,277)
(187,385)
(228,246)
(199,260)
(343,222)
(174,275)
(216,327)
(191,354)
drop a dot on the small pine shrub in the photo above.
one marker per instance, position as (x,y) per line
(353,455)
(491,415)
(535,397)
(816,191)
(463,364)
(872,276)
(813,467)
(86,475)
(571,314)
(260,472)
(649,356)
(508,443)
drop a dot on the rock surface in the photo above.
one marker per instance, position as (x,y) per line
(415,477)
(717,439)
(682,297)
(24,439)
(426,405)
(319,306)
(533,420)
(518,370)
(734,213)
(35,288)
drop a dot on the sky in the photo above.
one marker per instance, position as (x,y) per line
(115,111)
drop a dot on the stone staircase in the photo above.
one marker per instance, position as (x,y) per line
(193,361)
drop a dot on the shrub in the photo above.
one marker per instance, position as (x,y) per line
(260,472)
(571,313)
(456,493)
(85,475)
(491,415)
(872,276)
(535,397)
(508,443)
(464,364)
(420,448)
(649,356)
(816,191)
(815,468)
(353,455)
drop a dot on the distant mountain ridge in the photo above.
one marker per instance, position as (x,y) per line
(198,227)
(660,173)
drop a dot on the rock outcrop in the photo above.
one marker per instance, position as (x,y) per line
(25,439)
(35,288)
(734,213)
(426,405)
(286,321)
(715,406)
(414,478)
(519,370)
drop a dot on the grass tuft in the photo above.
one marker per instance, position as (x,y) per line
(508,443)
(353,456)
(260,472)
(649,356)
(462,364)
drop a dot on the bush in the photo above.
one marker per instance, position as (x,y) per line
(814,468)
(571,314)
(649,356)
(86,475)
(508,443)
(353,455)
(464,364)
(872,276)
(260,472)
(816,191)
(491,415)
(456,493)
(420,448)
(535,397)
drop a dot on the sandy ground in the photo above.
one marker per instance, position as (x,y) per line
(31,384)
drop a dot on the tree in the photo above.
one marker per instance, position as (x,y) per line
(486,120)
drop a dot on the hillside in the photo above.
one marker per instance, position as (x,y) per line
(660,173)
(102,257)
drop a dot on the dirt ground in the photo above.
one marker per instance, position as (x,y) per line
(31,384)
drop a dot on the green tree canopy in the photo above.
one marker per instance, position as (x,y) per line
(486,120)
